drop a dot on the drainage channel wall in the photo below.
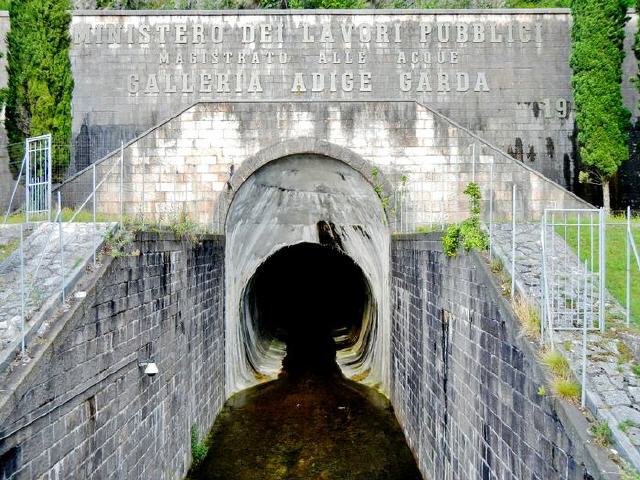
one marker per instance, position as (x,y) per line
(466,386)
(83,408)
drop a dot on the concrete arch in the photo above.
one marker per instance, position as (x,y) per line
(304,198)
(301,146)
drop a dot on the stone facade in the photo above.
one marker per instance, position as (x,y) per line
(464,386)
(211,148)
(84,409)
(503,74)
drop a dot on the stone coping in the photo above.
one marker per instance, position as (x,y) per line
(381,11)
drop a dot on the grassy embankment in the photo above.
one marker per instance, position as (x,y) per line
(616,260)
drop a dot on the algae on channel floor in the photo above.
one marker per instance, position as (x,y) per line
(307,427)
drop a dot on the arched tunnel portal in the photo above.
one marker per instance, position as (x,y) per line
(307,262)
(313,300)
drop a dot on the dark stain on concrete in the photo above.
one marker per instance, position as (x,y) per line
(328,235)
(550,147)
(531,154)
(536,109)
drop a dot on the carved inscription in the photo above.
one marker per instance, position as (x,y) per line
(209,56)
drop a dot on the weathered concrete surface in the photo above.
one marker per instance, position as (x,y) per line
(282,204)
(82,408)
(465,385)
(186,163)
(147,71)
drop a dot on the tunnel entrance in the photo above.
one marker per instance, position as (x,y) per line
(312,422)
(306,257)
(312,299)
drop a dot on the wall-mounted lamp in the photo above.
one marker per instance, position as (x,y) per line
(150,368)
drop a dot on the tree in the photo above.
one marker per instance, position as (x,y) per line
(596,60)
(38,95)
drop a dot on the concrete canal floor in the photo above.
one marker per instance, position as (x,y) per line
(308,427)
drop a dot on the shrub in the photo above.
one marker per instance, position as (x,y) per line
(468,234)
(38,95)
(199,449)
(596,60)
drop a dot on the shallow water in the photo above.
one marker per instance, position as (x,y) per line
(308,427)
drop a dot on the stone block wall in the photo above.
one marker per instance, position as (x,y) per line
(185,163)
(84,409)
(463,387)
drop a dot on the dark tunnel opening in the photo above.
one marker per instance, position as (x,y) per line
(313,299)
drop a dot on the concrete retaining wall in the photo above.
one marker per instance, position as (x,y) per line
(83,409)
(465,387)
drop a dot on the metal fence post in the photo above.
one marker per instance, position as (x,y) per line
(61,244)
(143,191)
(22,307)
(628,244)
(473,162)
(491,209)
(543,222)
(121,183)
(602,267)
(49,171)
(583,396)
(513,240)
(27,180)
(93,171)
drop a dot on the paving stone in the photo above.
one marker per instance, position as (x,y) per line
(616,397)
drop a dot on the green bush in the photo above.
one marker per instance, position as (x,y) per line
(467,234)
(596,60)
(38,95)
(199,449)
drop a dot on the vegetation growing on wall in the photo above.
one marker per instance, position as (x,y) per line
(38,95)
(601,118)
(468,233)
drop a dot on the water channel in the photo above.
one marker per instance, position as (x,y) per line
(312,422)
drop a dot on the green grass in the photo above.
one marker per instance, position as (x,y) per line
(627,472)
(625,425)
(616,259)
(84,216)
(602,433)
(556,363)
(7,249)
(566,389)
